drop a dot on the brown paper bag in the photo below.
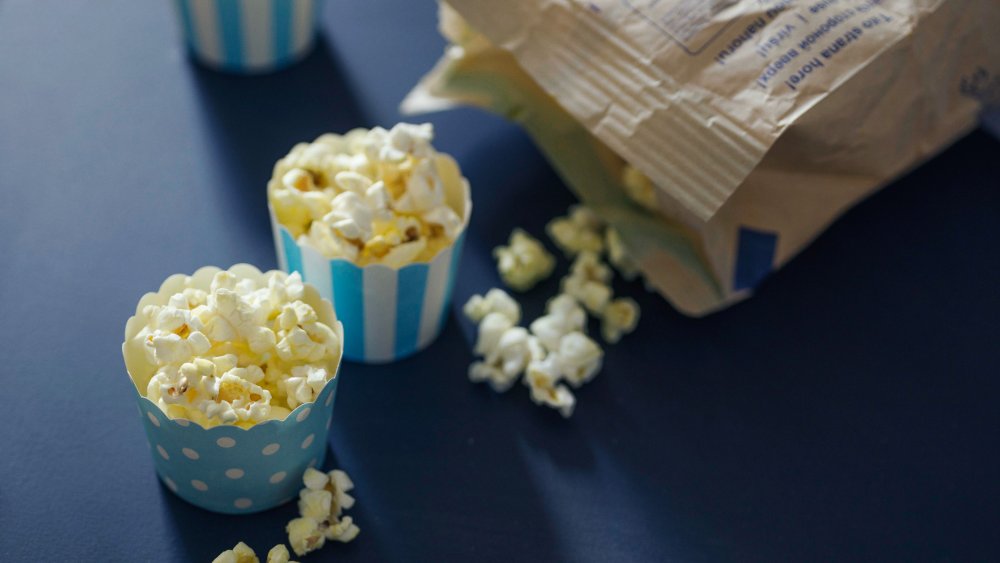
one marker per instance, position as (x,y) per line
(756,122)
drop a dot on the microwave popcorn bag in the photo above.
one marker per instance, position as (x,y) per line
(720,137)
(232,468)
(248,36)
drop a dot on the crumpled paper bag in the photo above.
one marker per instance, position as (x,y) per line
(720,137)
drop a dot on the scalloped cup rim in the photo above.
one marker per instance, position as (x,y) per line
(232,427)
(175,282)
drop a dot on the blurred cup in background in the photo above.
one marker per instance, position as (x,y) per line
(248,36)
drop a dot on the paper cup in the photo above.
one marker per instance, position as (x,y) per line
(226,468)
(388,313)
(248,36)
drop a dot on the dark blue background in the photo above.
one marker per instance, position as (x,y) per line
(849,411)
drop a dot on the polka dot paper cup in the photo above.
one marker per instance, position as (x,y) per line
(248,36)
(388,313)
(226,468)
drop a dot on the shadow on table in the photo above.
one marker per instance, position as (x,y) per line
(253,121)
(839,414)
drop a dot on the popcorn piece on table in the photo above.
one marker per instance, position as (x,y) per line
(588,282)
(588,266)
(495,301)
(279,554)
(315,480)
(558,396)
(620,317)
(505,363)
(564,316)
(542,377)
(491,329)
(580,358)
(321,504)
(305,535)
(524,261)
(237,354)
(580,231)
(241,553)
(370,196)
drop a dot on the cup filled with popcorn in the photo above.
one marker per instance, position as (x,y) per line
(375,219)
(235,373)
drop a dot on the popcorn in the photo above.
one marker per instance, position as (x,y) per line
(482,371)
(170,348)
(424,191)
(241,553)
(351,181)
(371,196)
(351,217)
(592,294)
(578,232)
(315,480)
(491,329)
(620,317)
(524,262)
(588,282)
(278,554)
(544,371)
(320,506)
(304,385)
(504,364)
(580,358)
(564,316)
(556,349)
(588,266)
(304,535)
(558,397)
(495,301)
(618,255)
(343,531)
(238,354)
(340,483)
(585,218)
(445,218)
(236,400)
(315,504)
(639,188)
(515,350)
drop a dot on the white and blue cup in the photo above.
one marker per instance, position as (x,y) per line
(388,313)
(226,468)
(248,36)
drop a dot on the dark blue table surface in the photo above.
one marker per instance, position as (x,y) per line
(849,411)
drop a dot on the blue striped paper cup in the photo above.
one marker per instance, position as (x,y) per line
(226,468)
(388,313)
(248,36)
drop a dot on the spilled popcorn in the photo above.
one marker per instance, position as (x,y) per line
(321,504)
(495,301)
(370,196)
(579,231)
(240,353)
(523,262)
(554,353)
(242,553)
